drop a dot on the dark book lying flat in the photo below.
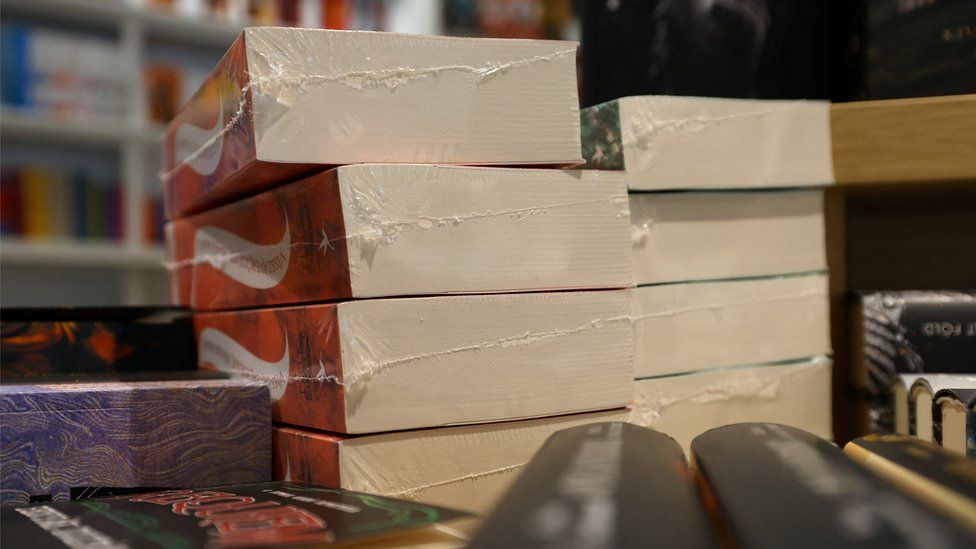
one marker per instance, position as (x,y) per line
(601,485)
(939,478)
(776,486)
(40,342)
(272,513)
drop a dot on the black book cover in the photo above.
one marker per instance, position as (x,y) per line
(255,515)
(601,485)
(774,49)
(777,486)
(35,343)
(909,332)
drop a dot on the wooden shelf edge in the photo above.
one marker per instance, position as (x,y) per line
(68,254)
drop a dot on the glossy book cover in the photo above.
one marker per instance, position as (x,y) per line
(61,437)
(254,515)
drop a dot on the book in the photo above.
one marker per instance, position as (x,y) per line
(59,437)
(373,365)
(373,230)
(622,485)
(685,236)
(667,143)
(246,515)
(38,342)
(779,486)
(940,479)
(911,332)
(761,319)
(921,398)
(683,406)
(466,467)
(898,392)
(916,49)
(282,101)
(953,419)
(761,48)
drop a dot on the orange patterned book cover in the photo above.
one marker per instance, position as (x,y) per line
(209,151)
(282,246)
(295,350)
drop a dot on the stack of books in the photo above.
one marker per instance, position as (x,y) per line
(730,310)
(94,400)
(422,327)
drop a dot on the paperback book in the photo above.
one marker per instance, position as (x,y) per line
(43,342)
(465,467)
(954,421)
(763,319)
(911,332)
(624,486)
(283,101)
(683,406)
(669,142)
(248,515)
(390,230)
(60,439)
(684,236)
(942,479)
(372,365)
(778,486)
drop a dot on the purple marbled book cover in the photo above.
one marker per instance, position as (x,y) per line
(168,434)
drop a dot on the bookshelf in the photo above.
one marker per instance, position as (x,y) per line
(135,265)
(902,215)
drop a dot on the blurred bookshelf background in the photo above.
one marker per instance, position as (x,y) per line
(87,88)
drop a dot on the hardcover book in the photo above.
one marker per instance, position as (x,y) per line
(392,230)
(249,515)
(912,332)
(43,342)
(669,142)
(763,319)
(685,236)
(943,480)
(463,467)
(778,486)
(58,439)
(923,412)
(954,421)
(624,486)
(284,100)
(375,365)
(684,406)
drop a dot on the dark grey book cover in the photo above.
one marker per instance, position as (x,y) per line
(777,486)
(601,485)
(908,332)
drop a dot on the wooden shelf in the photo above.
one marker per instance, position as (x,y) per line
(928,139)
(66,253)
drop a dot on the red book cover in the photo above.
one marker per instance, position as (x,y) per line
(296,350)
(282,246)
(11,203)
(305,456)
(209,153)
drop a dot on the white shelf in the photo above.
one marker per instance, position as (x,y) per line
(95,133)
(63,253)
(108,14)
